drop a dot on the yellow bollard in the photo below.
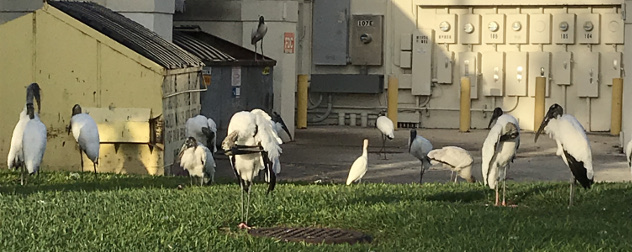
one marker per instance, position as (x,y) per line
(464,123)
(301,101)
(393,85)
(540,93)
(617,99)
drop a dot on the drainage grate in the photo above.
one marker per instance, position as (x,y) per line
(312,235)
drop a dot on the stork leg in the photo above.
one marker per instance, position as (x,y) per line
(255,51)
(95,169)
(422,173)
(456,176)
(504,186)
(572,193)
(496,204)
(248,204)
(81,158)
(383,150)
(22,170)
(262,55)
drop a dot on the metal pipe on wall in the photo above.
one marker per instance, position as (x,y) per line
(466,116)
(393,85)
(538,112)
(617,101)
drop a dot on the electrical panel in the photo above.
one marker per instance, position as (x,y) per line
(517,27)
(561,68)
(516,73)
(493,28)
(493,73)
(612,29)
(423,43)
(405,59)
(470,67)
(564,28)
(540,28)
(365,40)
(446,28)
(588,28)
(539,65)
(470,32)
(611,66)
(405,42)
(587,73)
(444,61)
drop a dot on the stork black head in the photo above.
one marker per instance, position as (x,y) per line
(277,119)
(33,91)
(497,113)
(413,135)
(261,20)
(191,142)
(76,109)
(554,112)
(510,132)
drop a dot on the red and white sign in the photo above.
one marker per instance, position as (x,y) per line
(288,42)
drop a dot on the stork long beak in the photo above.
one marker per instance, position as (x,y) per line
(497,113)
(542,125)
(182,149)
(413,135)
(277,118)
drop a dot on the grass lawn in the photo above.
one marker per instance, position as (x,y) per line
(60,212)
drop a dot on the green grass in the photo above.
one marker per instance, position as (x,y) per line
(57,212)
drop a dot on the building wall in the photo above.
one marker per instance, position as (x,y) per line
(53,50)
(440,109)
(626,126)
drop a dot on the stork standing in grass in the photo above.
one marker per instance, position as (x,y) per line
(257,35)
(386,127)
(455,158)
(204,130)
(360,165)
(251,145)
(34,135)
(499,149)
(419,147)
(86,133)
(572,145)
(15,159)
(198,160)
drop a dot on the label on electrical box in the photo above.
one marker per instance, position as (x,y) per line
(365,23)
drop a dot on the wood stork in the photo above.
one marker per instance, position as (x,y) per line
(34,135)
(198,160)
(86,134)
(204,130)
(386,127)
(499,149)
(456,159)
(419,147)
(360,165)
(572,145)
(628,154)
(279,125)
(252,145)
(257,35)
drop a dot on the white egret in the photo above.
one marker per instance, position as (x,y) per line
(204,130)
(456,159)
(572,145)
(257,35)
(499,149)
(360,165)
(386,127)
(34,136)
(86,133)
(419,147)
(198,160)
(252,145)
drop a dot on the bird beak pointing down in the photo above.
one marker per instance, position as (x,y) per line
(542,125)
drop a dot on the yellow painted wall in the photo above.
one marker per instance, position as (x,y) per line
(76,64)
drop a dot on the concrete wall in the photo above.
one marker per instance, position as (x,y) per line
(156,15)
(234,20)
(51,48)
(626,126)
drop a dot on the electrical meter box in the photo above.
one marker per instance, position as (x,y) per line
(422,61)
(517,29)
(493,28)
(366,39)
(561,68)
(446,28)
(470,32)
(470,66)
(588,27)
(587,73)
(540,28)
(611,67)
(564,28)
(516,73)
(612,28)
(493,71)
(444,61)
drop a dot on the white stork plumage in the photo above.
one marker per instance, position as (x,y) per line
(204,130)
(360,165)
(34,135)
(252,145)
(456,159)
(386,127)
(198,160)
(15,159)
(572,145)
(86,134)
(419,147)
(499,149)
(257,35)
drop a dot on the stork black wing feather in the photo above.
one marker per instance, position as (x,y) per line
(578,170)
